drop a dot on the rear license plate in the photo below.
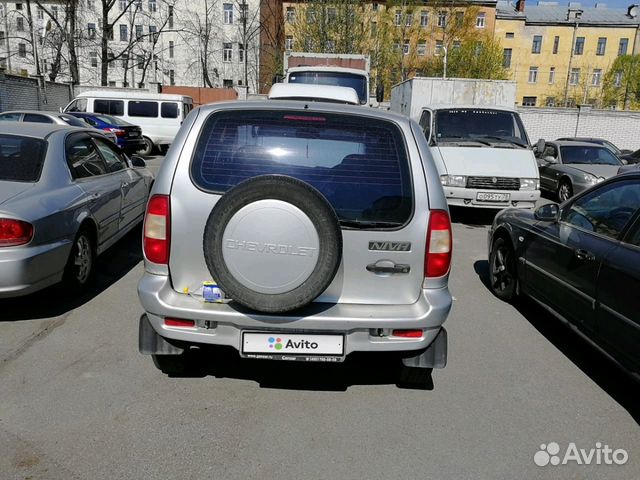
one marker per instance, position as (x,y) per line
(296,346)
(493,197)
(133,134)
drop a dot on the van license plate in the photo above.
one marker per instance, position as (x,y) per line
(278,344)
(493,197)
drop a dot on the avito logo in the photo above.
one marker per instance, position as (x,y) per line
(278,344)
(601,455)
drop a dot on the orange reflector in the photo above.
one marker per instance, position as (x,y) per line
(178,322)
(407,333)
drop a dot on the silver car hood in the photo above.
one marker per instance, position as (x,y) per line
(605,171)
(8,190)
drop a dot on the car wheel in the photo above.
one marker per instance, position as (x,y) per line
(503,275)
(148,148)
(80,266)
(565,191)
(177,365)
(273,243)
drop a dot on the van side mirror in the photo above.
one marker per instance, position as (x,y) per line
(380,93)
(277,78)
(540,145)
(550,160)
(60,110)
(547,213)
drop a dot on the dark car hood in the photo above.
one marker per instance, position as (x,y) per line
(8,190)
(605,171)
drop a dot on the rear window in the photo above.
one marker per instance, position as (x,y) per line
(360,165)
(143,109)
(110,107)
(21,158)
(169,110)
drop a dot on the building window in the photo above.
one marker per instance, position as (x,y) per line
(288,42)
(374,28)
(311,15)
(375,7)
(602,46)
(331,15)
(243,11)
(22,50)
(480,20)
(422,48)
(506,57)
(529,101)
(596,78)
(556,44)
(509,35)
(622,47)
(537,44)
(112,83)
(579,48)
(617,80)
(140,61)
(533,74)
(172,77)
(124,33)
(228,13)
(18,6)
(552,75)
(171,48)
(574,77)
(93,58)
(170,21)
(424,18)
(139,31)
(459,19)
(405,47)
(125,60)
(91,31)
(54,11)
(122,4)
(2,37)
(291,14)
(438,49)
(153,6)
(551,102)
(91,4)
(329,46)
(40,13)
(153,33)
(398,18)
(442,19)
(227,83)
(456,44)
(408,21)
(240,52)
(227,52)
(20,24)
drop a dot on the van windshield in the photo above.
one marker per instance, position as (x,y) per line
(339,79)
(360,165)
(479,124)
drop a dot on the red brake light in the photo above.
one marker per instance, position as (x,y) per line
(437,258)
(157,230)
(119,132)
(178,322)
(407,333)
(14,232)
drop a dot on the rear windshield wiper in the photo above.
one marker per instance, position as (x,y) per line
(368,224)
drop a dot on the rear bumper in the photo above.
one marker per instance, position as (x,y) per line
(132,145)
(467,197)
(24,270)
(359,323)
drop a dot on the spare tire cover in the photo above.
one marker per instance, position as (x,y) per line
(273,243)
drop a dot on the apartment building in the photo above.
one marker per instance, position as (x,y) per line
(169,42)
(559,54)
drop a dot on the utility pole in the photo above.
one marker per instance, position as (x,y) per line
(444,62)
(576,24)
(245,43)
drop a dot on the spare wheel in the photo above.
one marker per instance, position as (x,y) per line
(273,243)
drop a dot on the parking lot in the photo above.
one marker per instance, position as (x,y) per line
(77,400)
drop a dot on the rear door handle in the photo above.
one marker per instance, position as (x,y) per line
(124,185)
(94,196)
(396,268)
(584,254)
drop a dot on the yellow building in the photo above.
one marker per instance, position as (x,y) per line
(559,55)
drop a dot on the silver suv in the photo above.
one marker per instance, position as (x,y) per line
(325,226)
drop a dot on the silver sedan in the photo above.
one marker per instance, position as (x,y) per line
(567,167)
(66,195)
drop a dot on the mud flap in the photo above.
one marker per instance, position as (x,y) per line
(435,355)
(150,343)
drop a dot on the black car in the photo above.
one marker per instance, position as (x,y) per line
(580,260)
(128,136)
(633,157)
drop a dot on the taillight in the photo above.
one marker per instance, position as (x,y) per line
(407,333)
(157,230)
(437,258)
(179,322)
(119,132)
(14,232)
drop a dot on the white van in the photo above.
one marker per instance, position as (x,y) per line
(159,115)
(483,155)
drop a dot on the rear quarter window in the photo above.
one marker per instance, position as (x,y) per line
(21,158)
(169,110)
(359,164)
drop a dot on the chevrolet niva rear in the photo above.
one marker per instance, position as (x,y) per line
(297,231)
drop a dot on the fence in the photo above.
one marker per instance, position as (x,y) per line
(202,95)
(25,93)
(619,127)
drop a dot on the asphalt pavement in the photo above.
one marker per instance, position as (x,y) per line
(77,401)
